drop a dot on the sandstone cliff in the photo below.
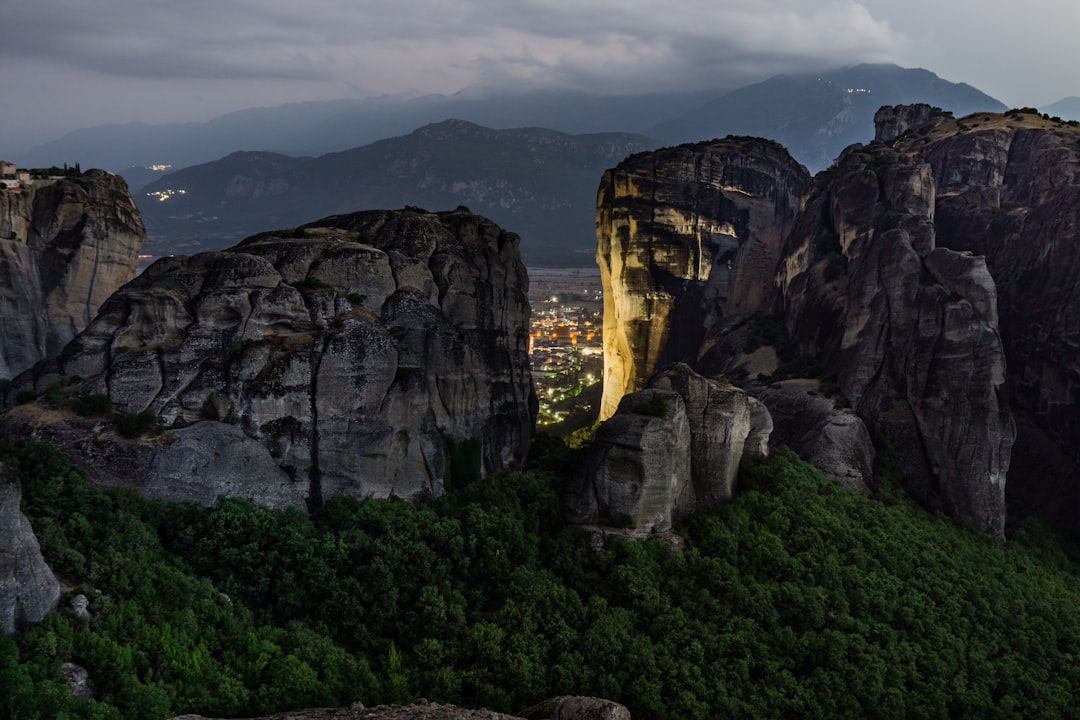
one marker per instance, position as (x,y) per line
(28,588)
(344,355)
(685,237)
(64,248)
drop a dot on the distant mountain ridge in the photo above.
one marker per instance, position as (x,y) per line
(540,183)
(816,115)
(811,114)
(316,128)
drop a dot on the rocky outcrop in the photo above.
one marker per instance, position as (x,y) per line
(560,708)
(28,589)
(909,329)
(892,121)
(65,247)
(833,439)
(685,237)
(340,358)
(1009,189)
(669,450)
(576,707)
(906,330)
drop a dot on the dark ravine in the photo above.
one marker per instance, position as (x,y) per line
(338,358)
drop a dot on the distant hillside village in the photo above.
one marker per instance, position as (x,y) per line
(16,178)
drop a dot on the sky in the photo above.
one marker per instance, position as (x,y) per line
(66,64)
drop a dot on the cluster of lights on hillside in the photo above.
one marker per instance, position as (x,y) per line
(163,195)
(158,168)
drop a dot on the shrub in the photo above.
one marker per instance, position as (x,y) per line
(209,410)
(136,425)
(92,405)
(56,394)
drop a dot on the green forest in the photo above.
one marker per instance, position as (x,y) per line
(798,599)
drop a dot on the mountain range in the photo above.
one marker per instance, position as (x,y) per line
(813,114)
(537,181)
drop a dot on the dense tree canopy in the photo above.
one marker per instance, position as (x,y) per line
(798,599)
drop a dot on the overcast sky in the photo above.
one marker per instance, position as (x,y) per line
(70,63)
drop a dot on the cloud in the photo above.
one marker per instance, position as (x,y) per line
(442,45)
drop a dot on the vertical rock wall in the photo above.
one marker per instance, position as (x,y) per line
(685,237)
(65,247)
(28,588)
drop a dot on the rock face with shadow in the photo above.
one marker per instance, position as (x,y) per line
(699,246)
(669,450)
(1008,189)
(28,589)
(65,246)
(341,357)
(687,236)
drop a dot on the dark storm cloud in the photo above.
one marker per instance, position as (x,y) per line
(587,43)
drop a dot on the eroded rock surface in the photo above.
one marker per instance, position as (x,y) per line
(28,589)
(560,708)
(65,247)
(350,351)
(833,439)
(669,450)
(1008,188)
(686,236)
(907,330)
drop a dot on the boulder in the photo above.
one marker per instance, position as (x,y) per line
(669,450)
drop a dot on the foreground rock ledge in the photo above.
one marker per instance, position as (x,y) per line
(560,708)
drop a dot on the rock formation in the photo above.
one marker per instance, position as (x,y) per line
(906,330)
(685,237)
(1008,188)
(909,329)
(350,351)
(28,588)
(560,708)
(669,450)
(833,439)
(65,247)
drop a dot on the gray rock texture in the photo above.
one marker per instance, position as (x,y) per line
(909,329)
(28,589)
(339,358)
(65,247)
(576,707)
(835,440)
(1008,188)
(669,450)
(693,240)
(561,708)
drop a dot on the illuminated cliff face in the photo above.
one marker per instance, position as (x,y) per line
(686,237)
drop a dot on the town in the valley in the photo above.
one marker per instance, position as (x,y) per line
(566,346)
